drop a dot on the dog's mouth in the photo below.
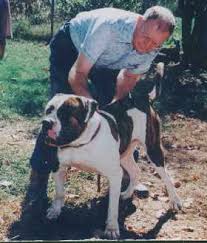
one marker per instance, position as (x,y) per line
(65,136)
(54,140)
(52,134)
(51,137)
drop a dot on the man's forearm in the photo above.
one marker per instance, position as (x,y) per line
(124,85)
(78,83)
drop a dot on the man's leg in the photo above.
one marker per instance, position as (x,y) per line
(44,158)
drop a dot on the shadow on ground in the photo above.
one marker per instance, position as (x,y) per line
(76,222)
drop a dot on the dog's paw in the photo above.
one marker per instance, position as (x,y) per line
(112,233)
(54,211)
(175,204)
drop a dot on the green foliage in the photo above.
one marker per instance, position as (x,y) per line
(28,100)
(176,36)
(172,5)
(37,10)
(21,28)
(67,9)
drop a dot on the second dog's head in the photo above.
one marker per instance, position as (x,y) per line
(66,117)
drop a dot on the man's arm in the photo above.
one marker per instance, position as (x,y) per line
(78,76)
(126,81)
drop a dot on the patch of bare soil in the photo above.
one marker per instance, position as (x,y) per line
(184,140)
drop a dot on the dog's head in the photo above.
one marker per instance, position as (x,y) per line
(66,117)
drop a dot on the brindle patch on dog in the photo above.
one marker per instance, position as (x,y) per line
(124,122)
(153,144)
(112,124)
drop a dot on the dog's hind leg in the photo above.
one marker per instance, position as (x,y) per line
(112,226)
(175,202)
(58,202)
(156,156)
(128,163)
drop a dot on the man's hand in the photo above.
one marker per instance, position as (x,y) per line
(126,81)
(78,76)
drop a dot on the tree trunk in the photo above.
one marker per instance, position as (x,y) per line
(199,40)
(194,35)
(187,14)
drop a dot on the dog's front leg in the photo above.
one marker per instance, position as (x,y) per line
(58,202)
(112,226)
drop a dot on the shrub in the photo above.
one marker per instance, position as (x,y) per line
(21,28)
(27,100)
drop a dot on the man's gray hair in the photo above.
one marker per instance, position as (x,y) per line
(164,14)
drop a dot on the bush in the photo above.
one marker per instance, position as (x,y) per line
(27,100)
(21,28)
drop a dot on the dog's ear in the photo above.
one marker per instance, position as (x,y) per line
(91,106)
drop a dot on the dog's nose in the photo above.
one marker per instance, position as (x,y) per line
(46,125)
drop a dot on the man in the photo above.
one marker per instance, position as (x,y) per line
(101,54)
(5,25)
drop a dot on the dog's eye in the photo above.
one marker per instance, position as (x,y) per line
(49,110)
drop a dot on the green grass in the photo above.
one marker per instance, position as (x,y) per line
(16,172)
(23,79)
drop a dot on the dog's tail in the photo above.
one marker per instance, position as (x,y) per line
(155,93)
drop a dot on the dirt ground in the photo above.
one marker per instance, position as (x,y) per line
(184,140)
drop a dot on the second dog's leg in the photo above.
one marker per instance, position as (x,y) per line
(112,227)
(55,209)
(156,157)
(175,202)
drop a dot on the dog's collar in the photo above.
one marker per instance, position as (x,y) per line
(80,144)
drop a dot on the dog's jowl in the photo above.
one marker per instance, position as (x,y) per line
(74,125)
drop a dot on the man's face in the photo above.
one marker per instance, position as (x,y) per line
(150,37)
